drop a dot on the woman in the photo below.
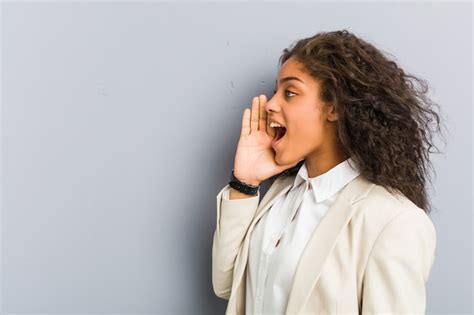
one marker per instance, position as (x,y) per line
(344,226)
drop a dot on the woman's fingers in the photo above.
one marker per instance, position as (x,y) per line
(255,119)
(254,116)
(262,122)
(245,123)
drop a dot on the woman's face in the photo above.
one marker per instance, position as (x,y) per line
(310,126)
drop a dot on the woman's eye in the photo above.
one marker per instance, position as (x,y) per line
(286,91)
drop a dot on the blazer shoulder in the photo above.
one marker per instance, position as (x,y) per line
(380,206)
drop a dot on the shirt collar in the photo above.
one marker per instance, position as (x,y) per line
(329,183)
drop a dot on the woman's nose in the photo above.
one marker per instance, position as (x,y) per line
(270,105)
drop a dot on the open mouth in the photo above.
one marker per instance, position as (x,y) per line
(280,132)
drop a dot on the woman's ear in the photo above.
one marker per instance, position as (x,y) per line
(331,113)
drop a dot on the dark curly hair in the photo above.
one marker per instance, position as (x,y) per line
(385,118)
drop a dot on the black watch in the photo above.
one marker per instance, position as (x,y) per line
(242,187)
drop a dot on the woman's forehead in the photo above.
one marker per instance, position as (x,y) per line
(293,70)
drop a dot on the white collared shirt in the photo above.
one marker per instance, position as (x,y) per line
(271,268)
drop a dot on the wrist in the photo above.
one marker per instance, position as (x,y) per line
(252,182)
(249,187)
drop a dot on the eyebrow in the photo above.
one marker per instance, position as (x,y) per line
(288,79)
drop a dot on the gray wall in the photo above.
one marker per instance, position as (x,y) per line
(119,127)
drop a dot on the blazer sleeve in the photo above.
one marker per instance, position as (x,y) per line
(232,221)
(399,266)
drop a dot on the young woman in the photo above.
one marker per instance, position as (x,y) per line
(344,226)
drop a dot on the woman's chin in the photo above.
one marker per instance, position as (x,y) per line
(279,160)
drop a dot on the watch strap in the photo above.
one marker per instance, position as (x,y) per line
(241,186)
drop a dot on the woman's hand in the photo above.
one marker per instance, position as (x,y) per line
(255,159)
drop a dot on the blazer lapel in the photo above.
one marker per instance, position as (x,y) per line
(323,241)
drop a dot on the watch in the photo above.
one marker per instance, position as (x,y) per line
(241,186)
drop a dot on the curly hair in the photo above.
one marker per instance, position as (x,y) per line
(385,118)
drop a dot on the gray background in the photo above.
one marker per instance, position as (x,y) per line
(119,127)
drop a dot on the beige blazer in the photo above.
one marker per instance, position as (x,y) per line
(371,253)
